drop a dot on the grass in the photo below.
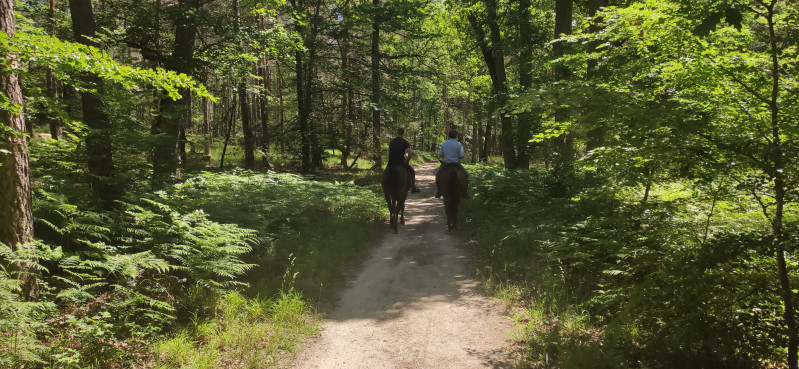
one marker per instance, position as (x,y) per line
(322,226)
(244,333)
(600,281)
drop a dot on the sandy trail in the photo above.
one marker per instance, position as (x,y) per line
(414,304)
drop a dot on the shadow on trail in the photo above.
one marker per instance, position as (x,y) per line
(421,266)
(414,302)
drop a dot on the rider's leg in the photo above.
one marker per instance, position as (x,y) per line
(438,189)
(414,189)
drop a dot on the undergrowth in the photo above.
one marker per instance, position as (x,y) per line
(192,276)
(604,280)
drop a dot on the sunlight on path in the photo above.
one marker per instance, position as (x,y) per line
(414,304)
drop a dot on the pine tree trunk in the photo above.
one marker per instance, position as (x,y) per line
(52,84)
(563,155)
(375,85)
(445,104)
(493,56)
(98,140)
(207,125)
(526,122)
(596,135)
(266,75)
(16,216)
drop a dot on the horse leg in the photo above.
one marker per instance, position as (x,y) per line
(448,211)
(394,213)
(401,206)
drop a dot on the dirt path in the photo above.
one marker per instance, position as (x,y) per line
(414,304)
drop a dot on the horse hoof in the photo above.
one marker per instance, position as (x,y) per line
(395,231)
(402,221)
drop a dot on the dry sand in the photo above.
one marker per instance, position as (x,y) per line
(414,303)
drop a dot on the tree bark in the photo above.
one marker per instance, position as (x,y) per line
(375,85)
(526,120)
(495,62)
(282,115)
(207,123)
(244,103)
(445,104)
(777,151)
(266,88)
(563,157)
(16,215)
(52,85)
(166,156)
(98,140)
(596,135)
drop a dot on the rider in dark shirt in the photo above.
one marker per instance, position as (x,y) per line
(398,148)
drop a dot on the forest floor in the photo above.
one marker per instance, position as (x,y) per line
(414,303)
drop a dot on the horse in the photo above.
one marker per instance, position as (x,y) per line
(451,183)
(396,183)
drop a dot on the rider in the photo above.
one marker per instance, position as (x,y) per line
(399,152)
(451,153)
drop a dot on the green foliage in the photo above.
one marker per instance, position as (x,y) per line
(606,281)
(20,320)
(245,333)
(323,224)
(69,59)
(116,280)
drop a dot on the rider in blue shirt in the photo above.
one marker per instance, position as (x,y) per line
(451,153)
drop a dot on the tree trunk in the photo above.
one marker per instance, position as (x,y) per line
(526,119)
(98,140)
(282,120)
(445,104)
(596,135)
(246,127)
(52,92)
(778,162)
(244,102)
(480,137)
(266,75)
(346,103)
(52,84)
(16,216)
(375,69)
(563,157)
(166,157)
(495,62)
(302,111)
(207,126)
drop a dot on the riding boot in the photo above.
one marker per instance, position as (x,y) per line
(414,189)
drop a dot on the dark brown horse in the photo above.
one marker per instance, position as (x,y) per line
(451,183)
(396,183)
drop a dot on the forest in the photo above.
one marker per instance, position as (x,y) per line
(183,182)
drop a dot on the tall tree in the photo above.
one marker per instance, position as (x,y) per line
(51,83)
(167,128)
(16,218)
(375,85)
(491,47)
(563,156)
(98,140)
(244,102)
(305,61)
(525,121)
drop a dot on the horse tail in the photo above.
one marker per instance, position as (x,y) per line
(453,189)
(394,176)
